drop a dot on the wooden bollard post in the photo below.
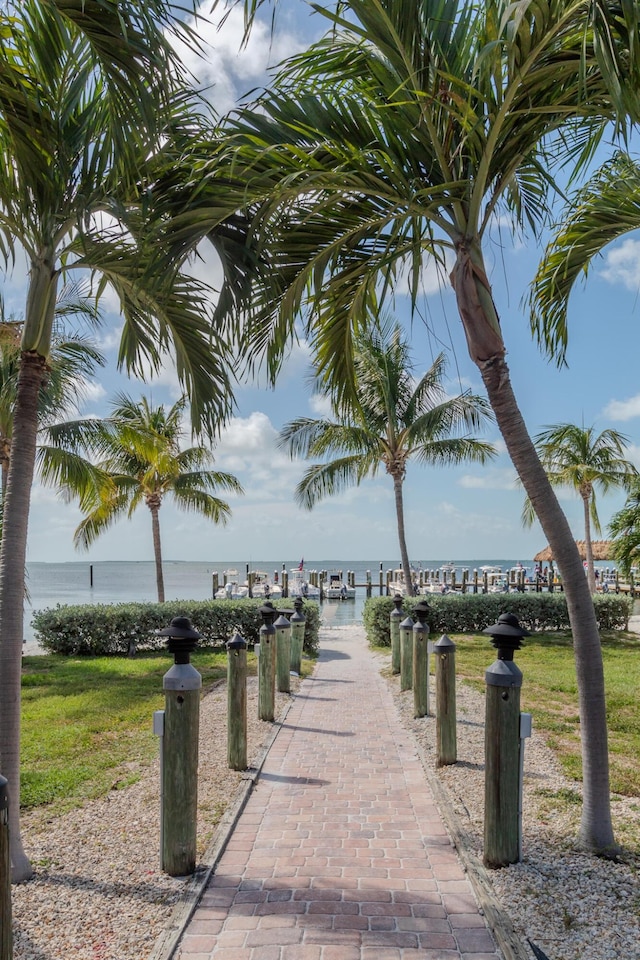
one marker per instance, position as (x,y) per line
(406,654)
(369,585)
(267,664)
(420,662)
(381,580)
(298,625)
(446,747)
(395,618)
(502,746)
(182,685)
(237,703)
(6,935)
(283,653)
(215,584)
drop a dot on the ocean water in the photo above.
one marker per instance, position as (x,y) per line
(52,584)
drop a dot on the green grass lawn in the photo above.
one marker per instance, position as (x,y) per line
(549,693)
(87,722)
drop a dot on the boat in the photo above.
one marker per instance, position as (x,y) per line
(335,588)
(262,586)
(397,584)
(299,585)
(232,589)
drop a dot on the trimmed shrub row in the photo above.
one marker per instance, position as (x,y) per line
(471,613)
(115,629)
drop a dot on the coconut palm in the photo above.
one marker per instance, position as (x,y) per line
(403,134)
(392,419)
(134,457)
(83,120)
(625,530)
(584,460)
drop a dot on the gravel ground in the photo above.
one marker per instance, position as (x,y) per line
(98,893)
(570,905)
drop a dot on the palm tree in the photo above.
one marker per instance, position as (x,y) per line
(73,359)
(403,133)
(139,460)
(89,99)
(625,530)
(577,457)
(606,208)
(391,419)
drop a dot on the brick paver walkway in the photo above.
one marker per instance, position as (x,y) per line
(340,853)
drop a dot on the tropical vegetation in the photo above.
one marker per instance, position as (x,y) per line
(391,418)
(407,132)
(91,99)
(134,456)
(579,458)
(625,531)
(72,363)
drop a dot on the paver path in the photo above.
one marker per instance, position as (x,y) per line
(340,853)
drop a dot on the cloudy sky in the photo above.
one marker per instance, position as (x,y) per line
(465,513)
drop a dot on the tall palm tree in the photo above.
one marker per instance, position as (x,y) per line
(390,420)
(139,460)
(404,133)
(625,530)
(584,460)
(84,119)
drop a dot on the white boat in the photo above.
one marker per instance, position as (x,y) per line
(398,584)
(262,586)
(335,588)
(232,589)
(299,585)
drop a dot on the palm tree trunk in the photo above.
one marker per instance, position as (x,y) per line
(157,549)
(596,830)
(404,553)
(13,553)
(588,546)
(486,348)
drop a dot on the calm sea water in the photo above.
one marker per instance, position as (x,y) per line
(50,584)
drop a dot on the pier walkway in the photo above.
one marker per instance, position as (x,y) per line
(340,852)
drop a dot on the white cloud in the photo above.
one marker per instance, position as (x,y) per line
(225,69)
(320,406)
(623,265)
(434,277)
(494,479)
(623,409)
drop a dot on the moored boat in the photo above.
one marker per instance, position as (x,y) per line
(232,588)
(335,588)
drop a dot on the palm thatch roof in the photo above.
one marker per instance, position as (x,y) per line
(602,550)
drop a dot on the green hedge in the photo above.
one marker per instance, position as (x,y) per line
(103,629)
(471,613)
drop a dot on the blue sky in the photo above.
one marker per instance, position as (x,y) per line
(463,513)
